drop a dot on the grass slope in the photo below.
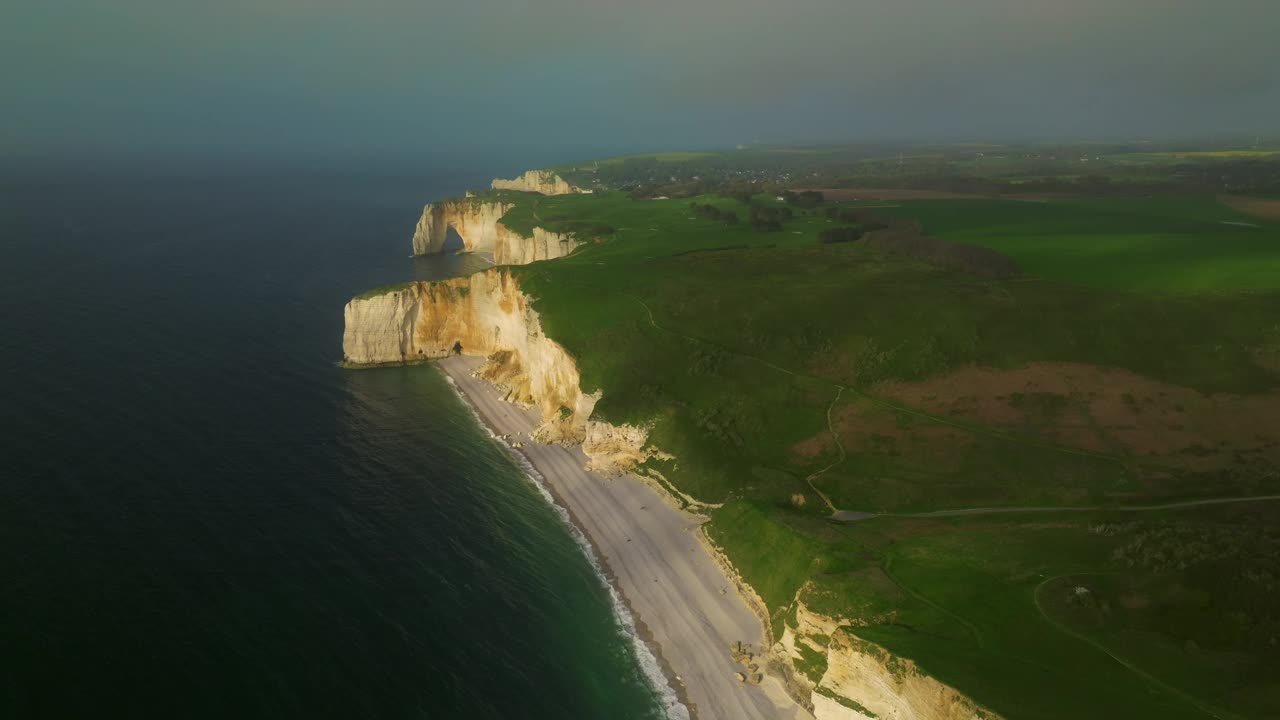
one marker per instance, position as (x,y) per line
(786,374)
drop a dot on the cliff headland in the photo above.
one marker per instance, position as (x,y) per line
(767,366)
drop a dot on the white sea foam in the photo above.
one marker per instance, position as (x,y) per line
(645,657)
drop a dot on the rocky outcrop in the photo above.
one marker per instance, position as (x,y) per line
(478,222)
(613,450)
(860,680)
(538,181)
(481,314)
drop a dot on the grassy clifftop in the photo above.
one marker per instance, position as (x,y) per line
(1135,362)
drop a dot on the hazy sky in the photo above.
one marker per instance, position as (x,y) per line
(400,75)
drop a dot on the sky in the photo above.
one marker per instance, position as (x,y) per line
(577,76)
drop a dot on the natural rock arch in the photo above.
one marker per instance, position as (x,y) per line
(476,222)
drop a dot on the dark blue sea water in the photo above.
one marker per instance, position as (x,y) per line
(201,515)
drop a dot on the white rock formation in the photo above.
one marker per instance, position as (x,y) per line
(478,223)
(482,314)
(538,181)
(475,221)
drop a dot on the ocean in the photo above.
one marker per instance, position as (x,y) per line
(203,516)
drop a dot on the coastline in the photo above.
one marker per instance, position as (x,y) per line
(686,610)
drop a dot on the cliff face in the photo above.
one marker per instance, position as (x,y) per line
(477,222)
(482,314)
(863,681)
(539,181)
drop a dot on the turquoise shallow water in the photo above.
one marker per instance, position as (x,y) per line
(202,516)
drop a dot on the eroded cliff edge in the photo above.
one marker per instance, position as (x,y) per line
(478,221)
(482,314)
(851,679)
(487,314)
(545,182)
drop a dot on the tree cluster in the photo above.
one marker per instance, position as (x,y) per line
(711,212)
(769,219)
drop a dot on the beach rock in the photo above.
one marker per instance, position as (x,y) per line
(740,676)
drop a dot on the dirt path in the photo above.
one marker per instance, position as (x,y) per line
(839,446)
(1149,679)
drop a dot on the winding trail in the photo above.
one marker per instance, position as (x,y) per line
(839,446)
(887,568)
(1149,679)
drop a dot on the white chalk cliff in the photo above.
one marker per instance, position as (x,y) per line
(481,314)
(478,222)
(862,680)
(538,181)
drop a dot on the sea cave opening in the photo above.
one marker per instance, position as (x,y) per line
(452,242)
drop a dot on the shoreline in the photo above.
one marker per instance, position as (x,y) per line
(670,590)
(637,633)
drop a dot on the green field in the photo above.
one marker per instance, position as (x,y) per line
(1176,618)
(1135,361)
(1161,243)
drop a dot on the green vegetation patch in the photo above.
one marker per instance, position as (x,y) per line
(851,704)
(1141,615)
(1149,243)
(812,663)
